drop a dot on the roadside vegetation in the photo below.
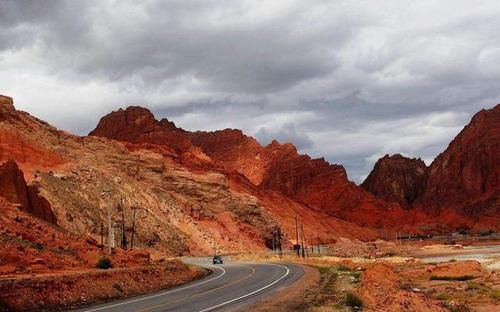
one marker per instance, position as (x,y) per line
(104,263)
(336,290)
(452,278)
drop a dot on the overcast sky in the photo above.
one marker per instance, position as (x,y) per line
(347,80)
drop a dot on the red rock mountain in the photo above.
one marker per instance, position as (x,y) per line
(466,176)
(192,189)
(397,179)
(464,179)
(185,201)
(275,167)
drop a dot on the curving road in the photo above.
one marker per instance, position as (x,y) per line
(230,287)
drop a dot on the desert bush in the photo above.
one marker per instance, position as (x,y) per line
(443,296)
(495,294)
(104,263)
(452,278)
(458,307)
(343,268)
(352,300)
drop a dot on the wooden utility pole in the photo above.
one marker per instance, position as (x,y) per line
(124,234)
(303,249)
(279,243)
(102,235)
(297,245)
(111,237)
(133,228)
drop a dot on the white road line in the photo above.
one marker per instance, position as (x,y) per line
(158,295)
(252,293)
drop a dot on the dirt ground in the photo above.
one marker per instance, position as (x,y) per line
(386,280)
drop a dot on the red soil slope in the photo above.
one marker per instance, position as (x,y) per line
(29,245)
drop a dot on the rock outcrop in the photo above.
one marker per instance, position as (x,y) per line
(138,125)
(397,179)
(13,188)
(6,103)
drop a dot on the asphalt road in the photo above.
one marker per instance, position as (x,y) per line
(231,287)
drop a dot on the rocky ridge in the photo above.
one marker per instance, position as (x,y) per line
(464,180)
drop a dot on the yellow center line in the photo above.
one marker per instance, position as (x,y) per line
(202,293)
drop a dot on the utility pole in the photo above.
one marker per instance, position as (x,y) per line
(274,241)
(111,235)
(133,228)
(102,235)
(124,234)
(319,247)
(279,243)
(303,249)
(297,245)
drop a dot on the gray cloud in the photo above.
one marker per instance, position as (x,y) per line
(346,80)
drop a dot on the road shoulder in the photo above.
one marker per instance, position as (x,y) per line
(289,298)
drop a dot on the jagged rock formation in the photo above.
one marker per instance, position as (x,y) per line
(464,180)
(13,188)
(6,103)
(397,179)
(275,167)
(466,176)
(395,183)
(191,189)
(279,167)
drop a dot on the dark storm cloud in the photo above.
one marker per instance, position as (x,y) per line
(350,81)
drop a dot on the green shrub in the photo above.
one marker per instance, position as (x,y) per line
(443,296)
(452,278)
(353,301)
(104,263)
(37,246)
(343,268)
(495,294)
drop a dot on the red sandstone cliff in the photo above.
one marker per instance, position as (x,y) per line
(138,125)
(397,179)
(13,188)
(466,176)
(462,183)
